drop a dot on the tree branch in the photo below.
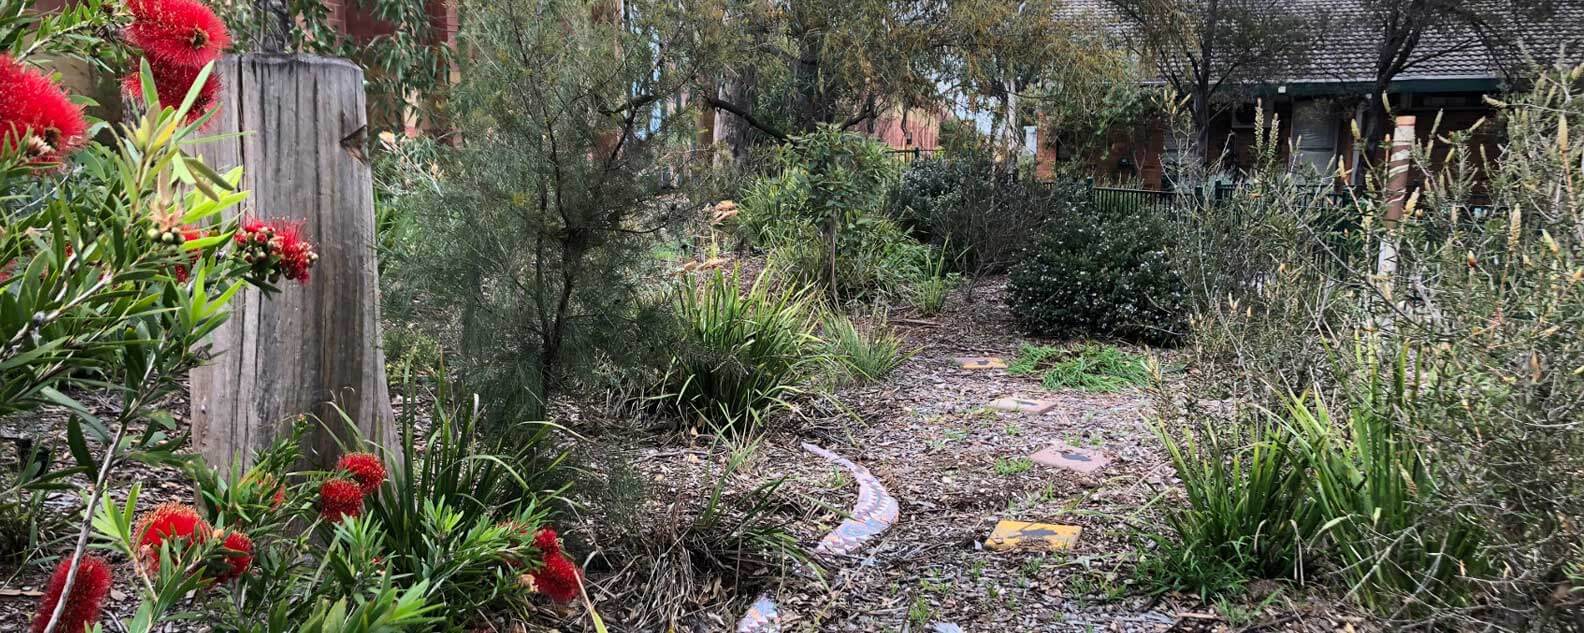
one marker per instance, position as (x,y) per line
(726,106)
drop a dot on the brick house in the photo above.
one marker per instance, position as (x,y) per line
(1317,105)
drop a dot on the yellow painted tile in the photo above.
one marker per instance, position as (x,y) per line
(981,362)
(1011,535)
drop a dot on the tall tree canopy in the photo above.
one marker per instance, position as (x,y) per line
(788,66)
(1209,50)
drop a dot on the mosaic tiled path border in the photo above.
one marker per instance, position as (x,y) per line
(875,512)
(762,617)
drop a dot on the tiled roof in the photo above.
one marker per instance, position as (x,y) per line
(1346,52)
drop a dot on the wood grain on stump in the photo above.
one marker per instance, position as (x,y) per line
(304,124)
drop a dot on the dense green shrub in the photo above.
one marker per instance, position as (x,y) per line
(984,214)
(1101,272)
(741,353)
(821,216)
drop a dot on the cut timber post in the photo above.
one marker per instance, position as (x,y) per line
(303,121)
(1398,163)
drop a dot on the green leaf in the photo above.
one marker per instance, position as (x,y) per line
(79,446)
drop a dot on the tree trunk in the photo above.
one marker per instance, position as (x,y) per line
(731,132)
(304,129)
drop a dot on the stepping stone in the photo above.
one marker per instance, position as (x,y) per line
(762,617)
(1044,537)
(1023,405)
(875,512)
(980,362)
(1082,460)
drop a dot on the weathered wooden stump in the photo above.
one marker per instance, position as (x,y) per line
(304,124)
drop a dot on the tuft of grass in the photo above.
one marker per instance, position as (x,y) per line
(1092,367)
(1246,514)
(1272,494)
(919,613)
(863,354)
(929,294)
(1008,466)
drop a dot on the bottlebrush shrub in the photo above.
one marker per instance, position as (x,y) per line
(178,38)
(1102,273)
(171,84)
(462,540)
(340,498)
(274,249)
(106,271)
(469,505)
(110,288)
(169,526)
(238,556)
(183,33)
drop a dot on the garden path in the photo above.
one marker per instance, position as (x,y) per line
(957,466)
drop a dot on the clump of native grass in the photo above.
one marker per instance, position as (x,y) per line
(863,353)
(741,353)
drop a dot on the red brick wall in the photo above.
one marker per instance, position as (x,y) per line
(921,130)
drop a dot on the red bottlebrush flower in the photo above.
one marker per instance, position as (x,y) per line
(168,521)
(340,498)
(558,578)
(275,249)
(180,32)
(36,118)
(296,254)
(365,468)
(186,234)
(171,83)
(279,498)
(547,541)
(82,604)
(238,556)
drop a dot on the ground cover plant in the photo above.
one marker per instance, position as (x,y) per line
(1090,367)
